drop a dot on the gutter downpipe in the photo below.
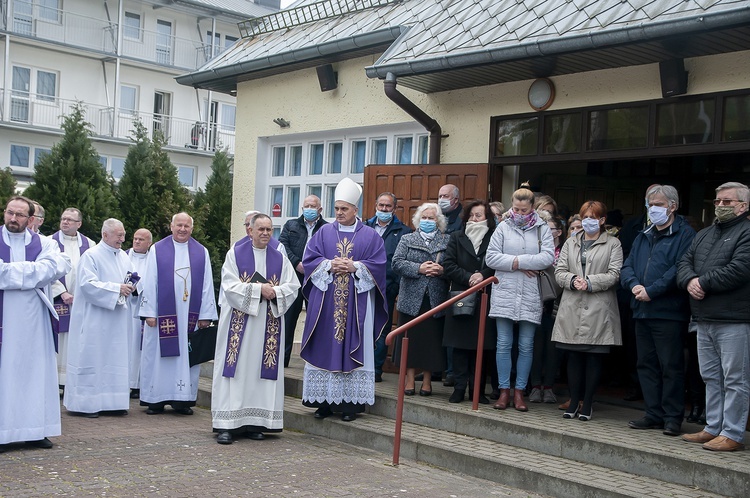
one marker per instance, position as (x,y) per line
(432,126)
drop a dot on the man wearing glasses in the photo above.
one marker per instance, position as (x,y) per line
(74,244)
(716,273)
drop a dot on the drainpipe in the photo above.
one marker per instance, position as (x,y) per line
(418,114)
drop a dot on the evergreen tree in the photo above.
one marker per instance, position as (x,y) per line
(7,185)
(72,176)
(171,196)
(213,212)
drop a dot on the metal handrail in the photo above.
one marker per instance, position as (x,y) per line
(480,287)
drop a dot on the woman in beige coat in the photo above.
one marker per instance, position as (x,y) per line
(588,320)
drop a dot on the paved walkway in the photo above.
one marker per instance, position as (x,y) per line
(175,455)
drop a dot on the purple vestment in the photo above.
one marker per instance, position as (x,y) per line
(334,327)
(62,325)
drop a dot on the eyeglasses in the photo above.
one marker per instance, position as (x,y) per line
(247,224)
(11,214)
(69,220)
(725,202)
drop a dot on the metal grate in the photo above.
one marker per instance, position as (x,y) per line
(306,14)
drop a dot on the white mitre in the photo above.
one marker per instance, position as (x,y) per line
(348,191)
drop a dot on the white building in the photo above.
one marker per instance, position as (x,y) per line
(119,58)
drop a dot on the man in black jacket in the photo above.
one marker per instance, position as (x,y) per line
(716,273)
(390,228)
(294,236)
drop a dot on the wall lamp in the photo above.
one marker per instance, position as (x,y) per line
(282,122)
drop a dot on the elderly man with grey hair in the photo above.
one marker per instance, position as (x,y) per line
(100,326)
(716,273)
(660,309)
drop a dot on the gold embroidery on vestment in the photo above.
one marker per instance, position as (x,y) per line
(273,325)
(341,292)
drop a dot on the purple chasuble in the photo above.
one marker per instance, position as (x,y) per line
(62,309)
(33,248)
(334,329)
(169,342)
(245,258)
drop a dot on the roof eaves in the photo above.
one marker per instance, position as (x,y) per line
(563,44)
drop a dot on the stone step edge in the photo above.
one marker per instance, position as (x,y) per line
(508,465)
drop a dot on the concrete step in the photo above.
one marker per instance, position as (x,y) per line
(541,441)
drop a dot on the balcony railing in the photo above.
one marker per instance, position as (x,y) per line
(48,112)
(33,20)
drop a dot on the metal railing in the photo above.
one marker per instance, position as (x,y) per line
(480,287)
(35,110)
(73,29)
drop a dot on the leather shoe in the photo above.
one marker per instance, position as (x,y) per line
(645,423)
(495,394)
(224,438)
(184,411)
(323,412)
(482,398)
(723,443)
(409,392)
(154,411)
(503,400)
(518,402)
(449,381)
(41,443)
(695,414)
(135,393)
(425,392)
(378,377)
(672,429)
(256,436)
(457,396)
(348,417)
(698,437)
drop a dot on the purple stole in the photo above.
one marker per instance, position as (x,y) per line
(169,342)
(62,309)
(269,368)
(33,248)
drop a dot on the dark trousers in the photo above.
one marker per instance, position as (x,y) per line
(290,323)
(381,350)
(465,366)
(661,366)
(544,364)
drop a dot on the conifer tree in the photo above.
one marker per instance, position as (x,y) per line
(71,175)
(7,186)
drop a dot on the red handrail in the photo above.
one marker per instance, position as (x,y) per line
(480,287)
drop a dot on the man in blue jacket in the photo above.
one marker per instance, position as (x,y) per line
(660,310)
(390,228)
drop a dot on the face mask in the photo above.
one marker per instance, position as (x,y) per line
(521,220)
(590,225)
(658,215)
(427,226)
(574,232)
(383,216)
(497,220)
(724,213)
(310,214)
(445,204)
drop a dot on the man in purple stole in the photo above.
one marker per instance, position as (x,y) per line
(74,244)
(345,264)
(178,298)
(29,397)
(257,286)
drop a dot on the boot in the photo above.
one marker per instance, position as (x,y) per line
(518,401)
(502,401)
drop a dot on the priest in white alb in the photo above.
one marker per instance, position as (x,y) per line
(100,325)
(258,285)
(138,254)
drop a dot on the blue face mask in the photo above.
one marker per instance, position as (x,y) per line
(427,226)
(310,214)
(383,216)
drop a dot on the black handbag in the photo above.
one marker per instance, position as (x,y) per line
(202,345)
(464,306)
(548,288)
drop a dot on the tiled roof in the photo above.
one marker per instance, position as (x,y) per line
(241,8)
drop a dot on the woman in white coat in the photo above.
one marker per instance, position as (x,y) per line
(520,247)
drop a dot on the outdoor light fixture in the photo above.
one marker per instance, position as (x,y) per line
(282,122)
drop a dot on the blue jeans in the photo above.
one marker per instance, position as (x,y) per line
(526,332)
(724,358)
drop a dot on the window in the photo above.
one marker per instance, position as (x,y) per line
(103,162)
(164,42)
(295,160)
(358,156)
(277,196)
(736,116)
(315,190)
(334,157)
(292,201)
(186,175)
(117,167)
(378,151)
(19,156)
(131,27)
(516,137)
(46,85)
(215,42)
(49,10)
(316,159)
(424,147)
(683,123)
(623,128)
(228,114)
(39,153)
(278,161)
(562,133)
(128,99)
(330,201)
(403,150)
(229,41)
(19,102)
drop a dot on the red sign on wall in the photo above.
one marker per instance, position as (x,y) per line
(276,210)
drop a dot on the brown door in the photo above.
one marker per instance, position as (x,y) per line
(414,184)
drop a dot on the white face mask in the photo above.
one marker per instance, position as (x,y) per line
(658,215)
(445,204)
(590,225)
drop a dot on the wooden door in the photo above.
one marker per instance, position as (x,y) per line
(415,184)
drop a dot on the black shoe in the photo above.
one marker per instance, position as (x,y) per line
(323,412)
(634,395)
(2,448)
(224,438)
(85,415)
(154,411)
(348,417)
(645,423)
(256,436)
(702,418)
(449,381)
(378,377)
(184,411)
(495,394)
(115,413)
(457,396)
(135,393)
(409,392)
(695,414)
(672,429)
(41,443)
(424,392)
(482,398)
